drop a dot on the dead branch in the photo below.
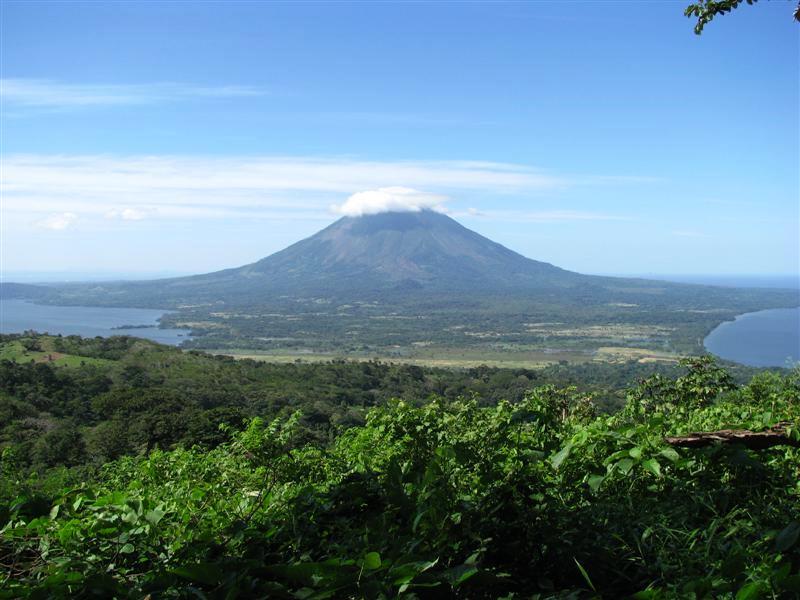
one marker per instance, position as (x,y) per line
(777,435)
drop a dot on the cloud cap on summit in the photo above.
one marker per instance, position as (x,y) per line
(389,199)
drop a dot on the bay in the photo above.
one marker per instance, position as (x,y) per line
(767,338)
(17,316)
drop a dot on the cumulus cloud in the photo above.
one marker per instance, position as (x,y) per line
(389,199)
(126,214)
(58,221)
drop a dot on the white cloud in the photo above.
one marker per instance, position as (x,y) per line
(105,188)
(126,214)
(58,221)
(180,187)
(45,93)
(389,199)
(213,176)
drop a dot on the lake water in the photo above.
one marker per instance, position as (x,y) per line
(17,316)
(768,338)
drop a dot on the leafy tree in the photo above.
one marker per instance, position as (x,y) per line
(64,445)
(31,345)
(705,11)
(108,441)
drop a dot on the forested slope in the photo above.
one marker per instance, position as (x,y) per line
(543,498)
(75,402)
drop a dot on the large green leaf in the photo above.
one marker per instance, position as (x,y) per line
(787,537)
(372,560)
(559,457)
(652,465)
(751,591)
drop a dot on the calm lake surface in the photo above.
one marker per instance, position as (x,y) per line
(768,338)
(17,316)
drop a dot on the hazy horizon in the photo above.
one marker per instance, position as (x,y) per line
(772,280)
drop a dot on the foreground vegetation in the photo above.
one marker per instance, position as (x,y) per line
(464,497)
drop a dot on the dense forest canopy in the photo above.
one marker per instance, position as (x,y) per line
(83,401)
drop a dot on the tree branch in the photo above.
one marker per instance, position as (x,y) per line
(777,435)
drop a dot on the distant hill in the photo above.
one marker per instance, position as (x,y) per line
(9,290)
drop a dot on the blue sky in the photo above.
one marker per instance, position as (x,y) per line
(604,137)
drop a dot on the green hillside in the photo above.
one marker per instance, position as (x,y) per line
(147,471)
(78,401)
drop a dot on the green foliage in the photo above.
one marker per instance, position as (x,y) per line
(705,11)
(698,388)
(122,396)
(541,498)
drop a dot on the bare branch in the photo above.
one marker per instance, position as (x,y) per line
(777,435)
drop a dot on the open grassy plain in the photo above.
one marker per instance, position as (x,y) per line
(43,351)
(469,358)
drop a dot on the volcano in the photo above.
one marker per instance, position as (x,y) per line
(411,262)
(424,249)
(405,253)
(402,252)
